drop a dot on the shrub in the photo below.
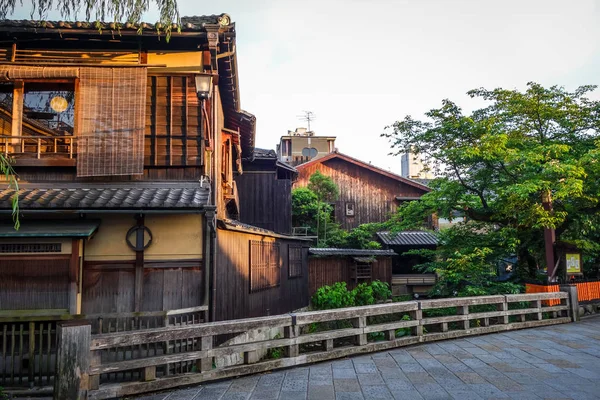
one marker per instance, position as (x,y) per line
(334,296)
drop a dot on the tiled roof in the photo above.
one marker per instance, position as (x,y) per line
(88,196)
(234,225)
(188,24)
(408,238)
(317,251)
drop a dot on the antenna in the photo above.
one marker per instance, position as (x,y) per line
(307,116)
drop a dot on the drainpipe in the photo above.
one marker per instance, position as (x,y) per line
(209,239)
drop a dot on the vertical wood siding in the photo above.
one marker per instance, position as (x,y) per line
(329,270)
(374,194)
(265,201)
(233,297)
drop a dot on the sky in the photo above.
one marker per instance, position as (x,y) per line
(360,65)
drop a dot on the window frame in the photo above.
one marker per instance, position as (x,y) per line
(294,250)
(264,257)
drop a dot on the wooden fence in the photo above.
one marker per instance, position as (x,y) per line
(28,340)
(586,291)
(185,354)
(530,288)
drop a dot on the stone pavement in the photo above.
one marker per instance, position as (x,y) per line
(558,362)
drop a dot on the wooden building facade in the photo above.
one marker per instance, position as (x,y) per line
(353,266)
(126,147)
(367,193)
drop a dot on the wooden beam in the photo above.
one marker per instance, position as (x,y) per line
(73,276)
(170,121)
(154,141)
(185,120)
(72,360)
(139,266)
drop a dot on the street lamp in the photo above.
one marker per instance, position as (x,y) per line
(203,86)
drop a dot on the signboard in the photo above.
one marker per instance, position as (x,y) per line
(573,263)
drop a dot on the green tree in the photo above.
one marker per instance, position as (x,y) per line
(9,176)
(498,162)
(326,191)
(116,10)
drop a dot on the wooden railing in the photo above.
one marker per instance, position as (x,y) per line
(308,337)
(38,146)
(28,340)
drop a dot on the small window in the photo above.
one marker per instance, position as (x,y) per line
(309,152)
(50,106)
(265,267)
(295,261)
(349,209)
(362,270)
(30,248)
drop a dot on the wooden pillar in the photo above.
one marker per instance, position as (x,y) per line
(291,332)
(360,322)
(72,360)
(74,277)
(17,112)
(139,264)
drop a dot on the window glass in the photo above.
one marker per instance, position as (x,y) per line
(49,108)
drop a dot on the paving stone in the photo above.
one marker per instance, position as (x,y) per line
(271,380)
(432,391)
(379,392)
(487,390)
(321,392)
(396,385)
(294,385)
(292,395)
(366,368)
(346,385)
(235,396)
(210,394)
(185,394)
(464,395)
(420,377)
(470,377)
(348,396)
(265,394)
(411,368)
(342,364)
(407,395)
(344,373)
(370,379)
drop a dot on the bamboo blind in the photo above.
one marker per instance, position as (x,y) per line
(265,266)
(26,72)
(111,109)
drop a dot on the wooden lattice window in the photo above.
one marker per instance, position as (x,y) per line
(295,261)
(30,248)
(265,266)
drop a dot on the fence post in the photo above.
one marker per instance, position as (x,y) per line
(292,332)
(72,360)
(572,301)
(417,315)
(360,322)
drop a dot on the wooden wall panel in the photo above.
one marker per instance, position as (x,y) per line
(265,201)
(108,288)
(34,283)
(329,270)
(234,299)
(373,194)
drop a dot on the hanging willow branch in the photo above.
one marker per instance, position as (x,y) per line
(9,174)
(101,10)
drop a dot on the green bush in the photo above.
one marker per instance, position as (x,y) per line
(334,296)
(338,295)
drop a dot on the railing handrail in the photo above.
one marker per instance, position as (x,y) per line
(131,338)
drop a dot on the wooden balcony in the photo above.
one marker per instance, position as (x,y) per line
(59,151)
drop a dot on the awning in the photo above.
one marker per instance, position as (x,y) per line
(58,228)
(365,260)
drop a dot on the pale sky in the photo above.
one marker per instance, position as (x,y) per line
(360,65)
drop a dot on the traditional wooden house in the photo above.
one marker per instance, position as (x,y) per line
(367,193)
(126,147)
(406,279)
(352,266)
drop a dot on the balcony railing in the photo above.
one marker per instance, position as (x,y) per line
(38,147)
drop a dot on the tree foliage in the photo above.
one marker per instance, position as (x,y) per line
(9,176)
(117,10)
(497,163)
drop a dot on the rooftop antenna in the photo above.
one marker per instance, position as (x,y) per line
(307,116)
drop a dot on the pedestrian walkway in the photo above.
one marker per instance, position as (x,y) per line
(558,362)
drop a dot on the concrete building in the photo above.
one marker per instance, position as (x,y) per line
(412,167)
(302,145)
